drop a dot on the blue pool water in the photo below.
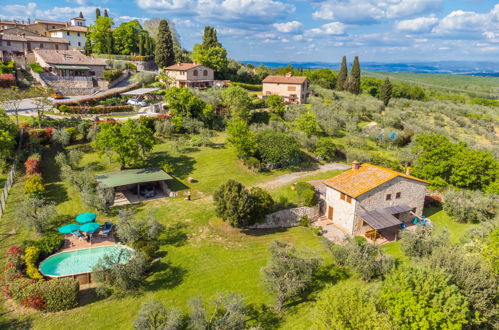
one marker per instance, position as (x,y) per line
(80,261)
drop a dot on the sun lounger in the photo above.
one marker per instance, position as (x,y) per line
(106,229)
(77,234)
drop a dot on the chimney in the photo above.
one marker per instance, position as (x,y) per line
(355,165)
(408,171)
(289,74)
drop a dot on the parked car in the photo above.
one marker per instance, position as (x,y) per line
(147,191)
(137,102)
(57,95)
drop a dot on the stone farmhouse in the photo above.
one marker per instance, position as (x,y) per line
(294,89)
(373,201)
(69,63)
(13,44)
(190,75)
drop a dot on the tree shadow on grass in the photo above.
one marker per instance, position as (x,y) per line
(96,166)
(428,212)
(165,276)
(175,235)
(15,323)
(183,165)
(261,232)
(56,192)
(264,316)
(88,296)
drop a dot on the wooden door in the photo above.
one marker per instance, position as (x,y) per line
(330,212)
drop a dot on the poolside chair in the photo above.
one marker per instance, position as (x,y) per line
(77,234)
(415,221)
(402,226)
(108,226)
(424,222)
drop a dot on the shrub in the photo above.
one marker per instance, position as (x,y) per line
(252,163)
(130,66)
(60,295)
(36,67)
(31,255)
(32,165)
(368,260)
(470,206)
(7,80)
(33,186)
(432,201)
(421,242)
(100,109)
(110,75)
(35,301)
(277,149)
(306,193)
(154,315)
(48,244)
(14,257)
(325,149)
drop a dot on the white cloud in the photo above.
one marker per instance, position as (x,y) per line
(408,8)
(371,11)
(248,11)
(55,13)
(289,27)
(417,25)
(468,24)
(334,28)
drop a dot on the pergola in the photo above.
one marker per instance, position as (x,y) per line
(140,92)
(128,178)
(381,219)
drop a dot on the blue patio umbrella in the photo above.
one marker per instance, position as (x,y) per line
(89,227)
(68,229)
(86,217)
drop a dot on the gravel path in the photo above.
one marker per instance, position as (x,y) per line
(291,177)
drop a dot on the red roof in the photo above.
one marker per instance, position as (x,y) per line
(182,66)
(284,79)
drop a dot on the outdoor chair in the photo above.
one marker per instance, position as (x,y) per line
(108,226)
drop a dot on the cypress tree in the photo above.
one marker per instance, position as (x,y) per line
(97,13)
(164,55)
(81,15)
(88,45)
(386,91)
(210,39)
(105,13)
(354,81)
(342,75)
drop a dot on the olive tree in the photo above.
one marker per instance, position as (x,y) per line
(153,315)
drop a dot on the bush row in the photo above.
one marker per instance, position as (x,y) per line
(100,109)
(123,57)
(249,87)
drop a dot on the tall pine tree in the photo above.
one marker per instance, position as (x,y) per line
(210,39)
(342,75)
(386,91)
(354,81)
(164,55)
(105,13)
(97,13)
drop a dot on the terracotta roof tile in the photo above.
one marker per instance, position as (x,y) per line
(15,37)
(357,182)
(182,66)
(284,79)
(67,57)
(70,28)
(43,21)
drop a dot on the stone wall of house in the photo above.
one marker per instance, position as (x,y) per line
(287,218)
(412,193)
(71,85)
(343,212)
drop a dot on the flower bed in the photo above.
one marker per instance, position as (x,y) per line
(97,110)
(7,80)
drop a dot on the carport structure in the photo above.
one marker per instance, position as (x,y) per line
(127,184)
(146,94)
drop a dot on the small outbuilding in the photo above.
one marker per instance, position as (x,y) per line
(135,185)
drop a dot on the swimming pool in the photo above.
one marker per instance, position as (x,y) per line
(80,261)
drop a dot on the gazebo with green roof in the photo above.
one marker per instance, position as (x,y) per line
(124,180)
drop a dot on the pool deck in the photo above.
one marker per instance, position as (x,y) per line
(72,243)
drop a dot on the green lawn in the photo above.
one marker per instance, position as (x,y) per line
(201,255)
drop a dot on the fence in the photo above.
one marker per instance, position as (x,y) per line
(10,179)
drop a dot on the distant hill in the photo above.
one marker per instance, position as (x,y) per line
(443,67)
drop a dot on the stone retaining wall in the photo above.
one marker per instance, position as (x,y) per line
(287,218)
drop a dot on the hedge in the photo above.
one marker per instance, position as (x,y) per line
(100,109)
(31,255)
(60,295)
(250,87)
(36,67)
(110,75)
(306,193)
(33,185)
(48,244)
(123,57)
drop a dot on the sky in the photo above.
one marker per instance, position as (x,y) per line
(308,30)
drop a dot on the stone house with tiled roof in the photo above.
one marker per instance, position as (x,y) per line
(294,89)
(69,63)
(25,43)
(369,200)
(190,75)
